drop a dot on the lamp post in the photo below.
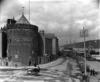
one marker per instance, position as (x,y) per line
(84,33)
(84,50)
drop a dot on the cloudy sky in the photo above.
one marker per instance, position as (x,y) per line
(65,18)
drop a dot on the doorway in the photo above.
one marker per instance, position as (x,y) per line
(30,63)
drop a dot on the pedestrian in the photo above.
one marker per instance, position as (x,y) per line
(91,72)
(15,65)
(88,70)
(6,63)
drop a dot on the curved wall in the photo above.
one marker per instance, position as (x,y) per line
(23,44)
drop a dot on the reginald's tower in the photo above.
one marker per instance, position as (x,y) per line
(22,42)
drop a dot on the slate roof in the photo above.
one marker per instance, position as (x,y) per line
(22,20)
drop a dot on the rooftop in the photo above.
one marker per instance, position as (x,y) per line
(22,20)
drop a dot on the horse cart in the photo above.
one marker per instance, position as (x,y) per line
(33,71)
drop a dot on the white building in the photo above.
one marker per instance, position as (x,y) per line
(0,47)
(0,44)
(50,43)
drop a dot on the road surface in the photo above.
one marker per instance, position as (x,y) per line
(57,73)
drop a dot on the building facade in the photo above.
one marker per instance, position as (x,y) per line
(0,44)
(25,45)
(50,43)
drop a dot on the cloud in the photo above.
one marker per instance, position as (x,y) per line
(62,17)
(84,22)
(65,28)
(95,30)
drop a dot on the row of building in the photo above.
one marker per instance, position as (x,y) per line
(22,44)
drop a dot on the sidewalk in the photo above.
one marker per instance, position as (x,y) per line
(47,65)
(96,66)
(95,78)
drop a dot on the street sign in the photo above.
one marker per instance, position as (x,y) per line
(84,33)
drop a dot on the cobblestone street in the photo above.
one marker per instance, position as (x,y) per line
(52,74)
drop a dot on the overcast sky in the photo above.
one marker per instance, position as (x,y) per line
(65,18)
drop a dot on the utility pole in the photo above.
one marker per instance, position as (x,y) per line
(84,50)
(70,34)
(71,19)
(29,10)
(84,34)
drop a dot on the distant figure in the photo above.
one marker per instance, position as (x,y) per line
(6,63)
(88,70)
(34,64)
(15,65)
(91,72)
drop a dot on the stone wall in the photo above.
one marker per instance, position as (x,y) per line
(22,44)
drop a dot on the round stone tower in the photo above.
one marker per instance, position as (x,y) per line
(23,43)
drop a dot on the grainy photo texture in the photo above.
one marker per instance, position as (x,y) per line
(49,41)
